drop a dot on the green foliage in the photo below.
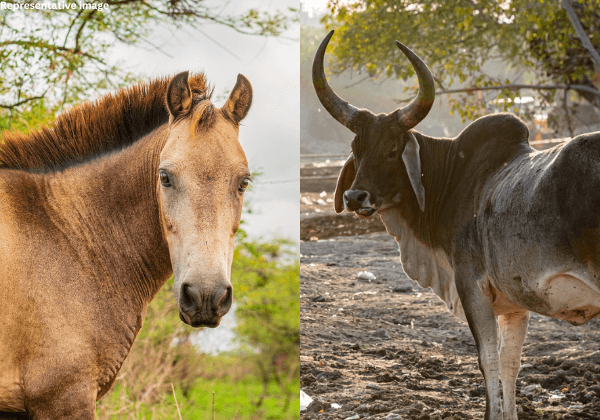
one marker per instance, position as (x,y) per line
(269,312)
(33,115)
(62,55)
(468,44)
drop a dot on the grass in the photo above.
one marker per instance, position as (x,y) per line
(234,398)
(155,367)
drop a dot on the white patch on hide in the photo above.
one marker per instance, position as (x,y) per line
(427,266)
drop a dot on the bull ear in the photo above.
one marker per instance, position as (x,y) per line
(345,180)
(412,162)
(179,95)
(239,100)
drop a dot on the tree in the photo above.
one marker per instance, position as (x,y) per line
(269,311)
(475,46)
(59,52)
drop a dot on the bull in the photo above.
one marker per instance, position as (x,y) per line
(495,228)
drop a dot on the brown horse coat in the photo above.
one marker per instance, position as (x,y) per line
(90,232)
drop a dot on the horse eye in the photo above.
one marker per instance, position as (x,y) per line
(243,185)
(164,179)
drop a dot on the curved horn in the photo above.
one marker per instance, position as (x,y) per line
(336,106)
(413,113)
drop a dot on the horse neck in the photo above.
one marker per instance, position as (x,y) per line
(108,209)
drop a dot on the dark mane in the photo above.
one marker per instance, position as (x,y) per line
(110,123)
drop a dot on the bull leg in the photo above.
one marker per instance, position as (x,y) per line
(513,328)
(482,323)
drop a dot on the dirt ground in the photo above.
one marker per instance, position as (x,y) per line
(387,349)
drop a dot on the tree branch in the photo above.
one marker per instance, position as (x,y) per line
(80,31)
(24,101)
(71,27)
(580,88)
(583,37)
(357,83)
(517,86)
(45,45)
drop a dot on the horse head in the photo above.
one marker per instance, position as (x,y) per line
(201,179)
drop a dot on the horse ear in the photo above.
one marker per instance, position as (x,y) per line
(239,100)
(179,95)
(345,180)
(412,162)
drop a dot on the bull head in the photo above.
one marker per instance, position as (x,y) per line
(385,161)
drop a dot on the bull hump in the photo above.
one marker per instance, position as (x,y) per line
(427,266)
(503,129)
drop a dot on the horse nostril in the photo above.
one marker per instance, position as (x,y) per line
(187,298)
(222,300)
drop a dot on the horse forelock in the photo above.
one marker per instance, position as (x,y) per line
(203,117)
(90,129)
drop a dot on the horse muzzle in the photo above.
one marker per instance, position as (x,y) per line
(200,308)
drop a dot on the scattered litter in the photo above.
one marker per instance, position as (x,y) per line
(323,194)
(321,202)
(576,406)
(305,400)
(335,405)
(526,366)
(305,359)
(354,417)
(417,405)
(368,292)
(373,386)
(533,390)
(306,201)
(366,276)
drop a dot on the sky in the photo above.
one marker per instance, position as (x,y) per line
(318,5)
(270,134)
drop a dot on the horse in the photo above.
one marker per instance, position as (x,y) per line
(96,214)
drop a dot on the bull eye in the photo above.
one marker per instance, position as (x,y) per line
(244,184)
(393,154)
(164,178)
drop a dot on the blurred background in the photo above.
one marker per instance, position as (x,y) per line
(53,59)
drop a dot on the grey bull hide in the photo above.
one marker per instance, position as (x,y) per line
(494,227)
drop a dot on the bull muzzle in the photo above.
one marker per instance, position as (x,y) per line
(199,307)
(359,202)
